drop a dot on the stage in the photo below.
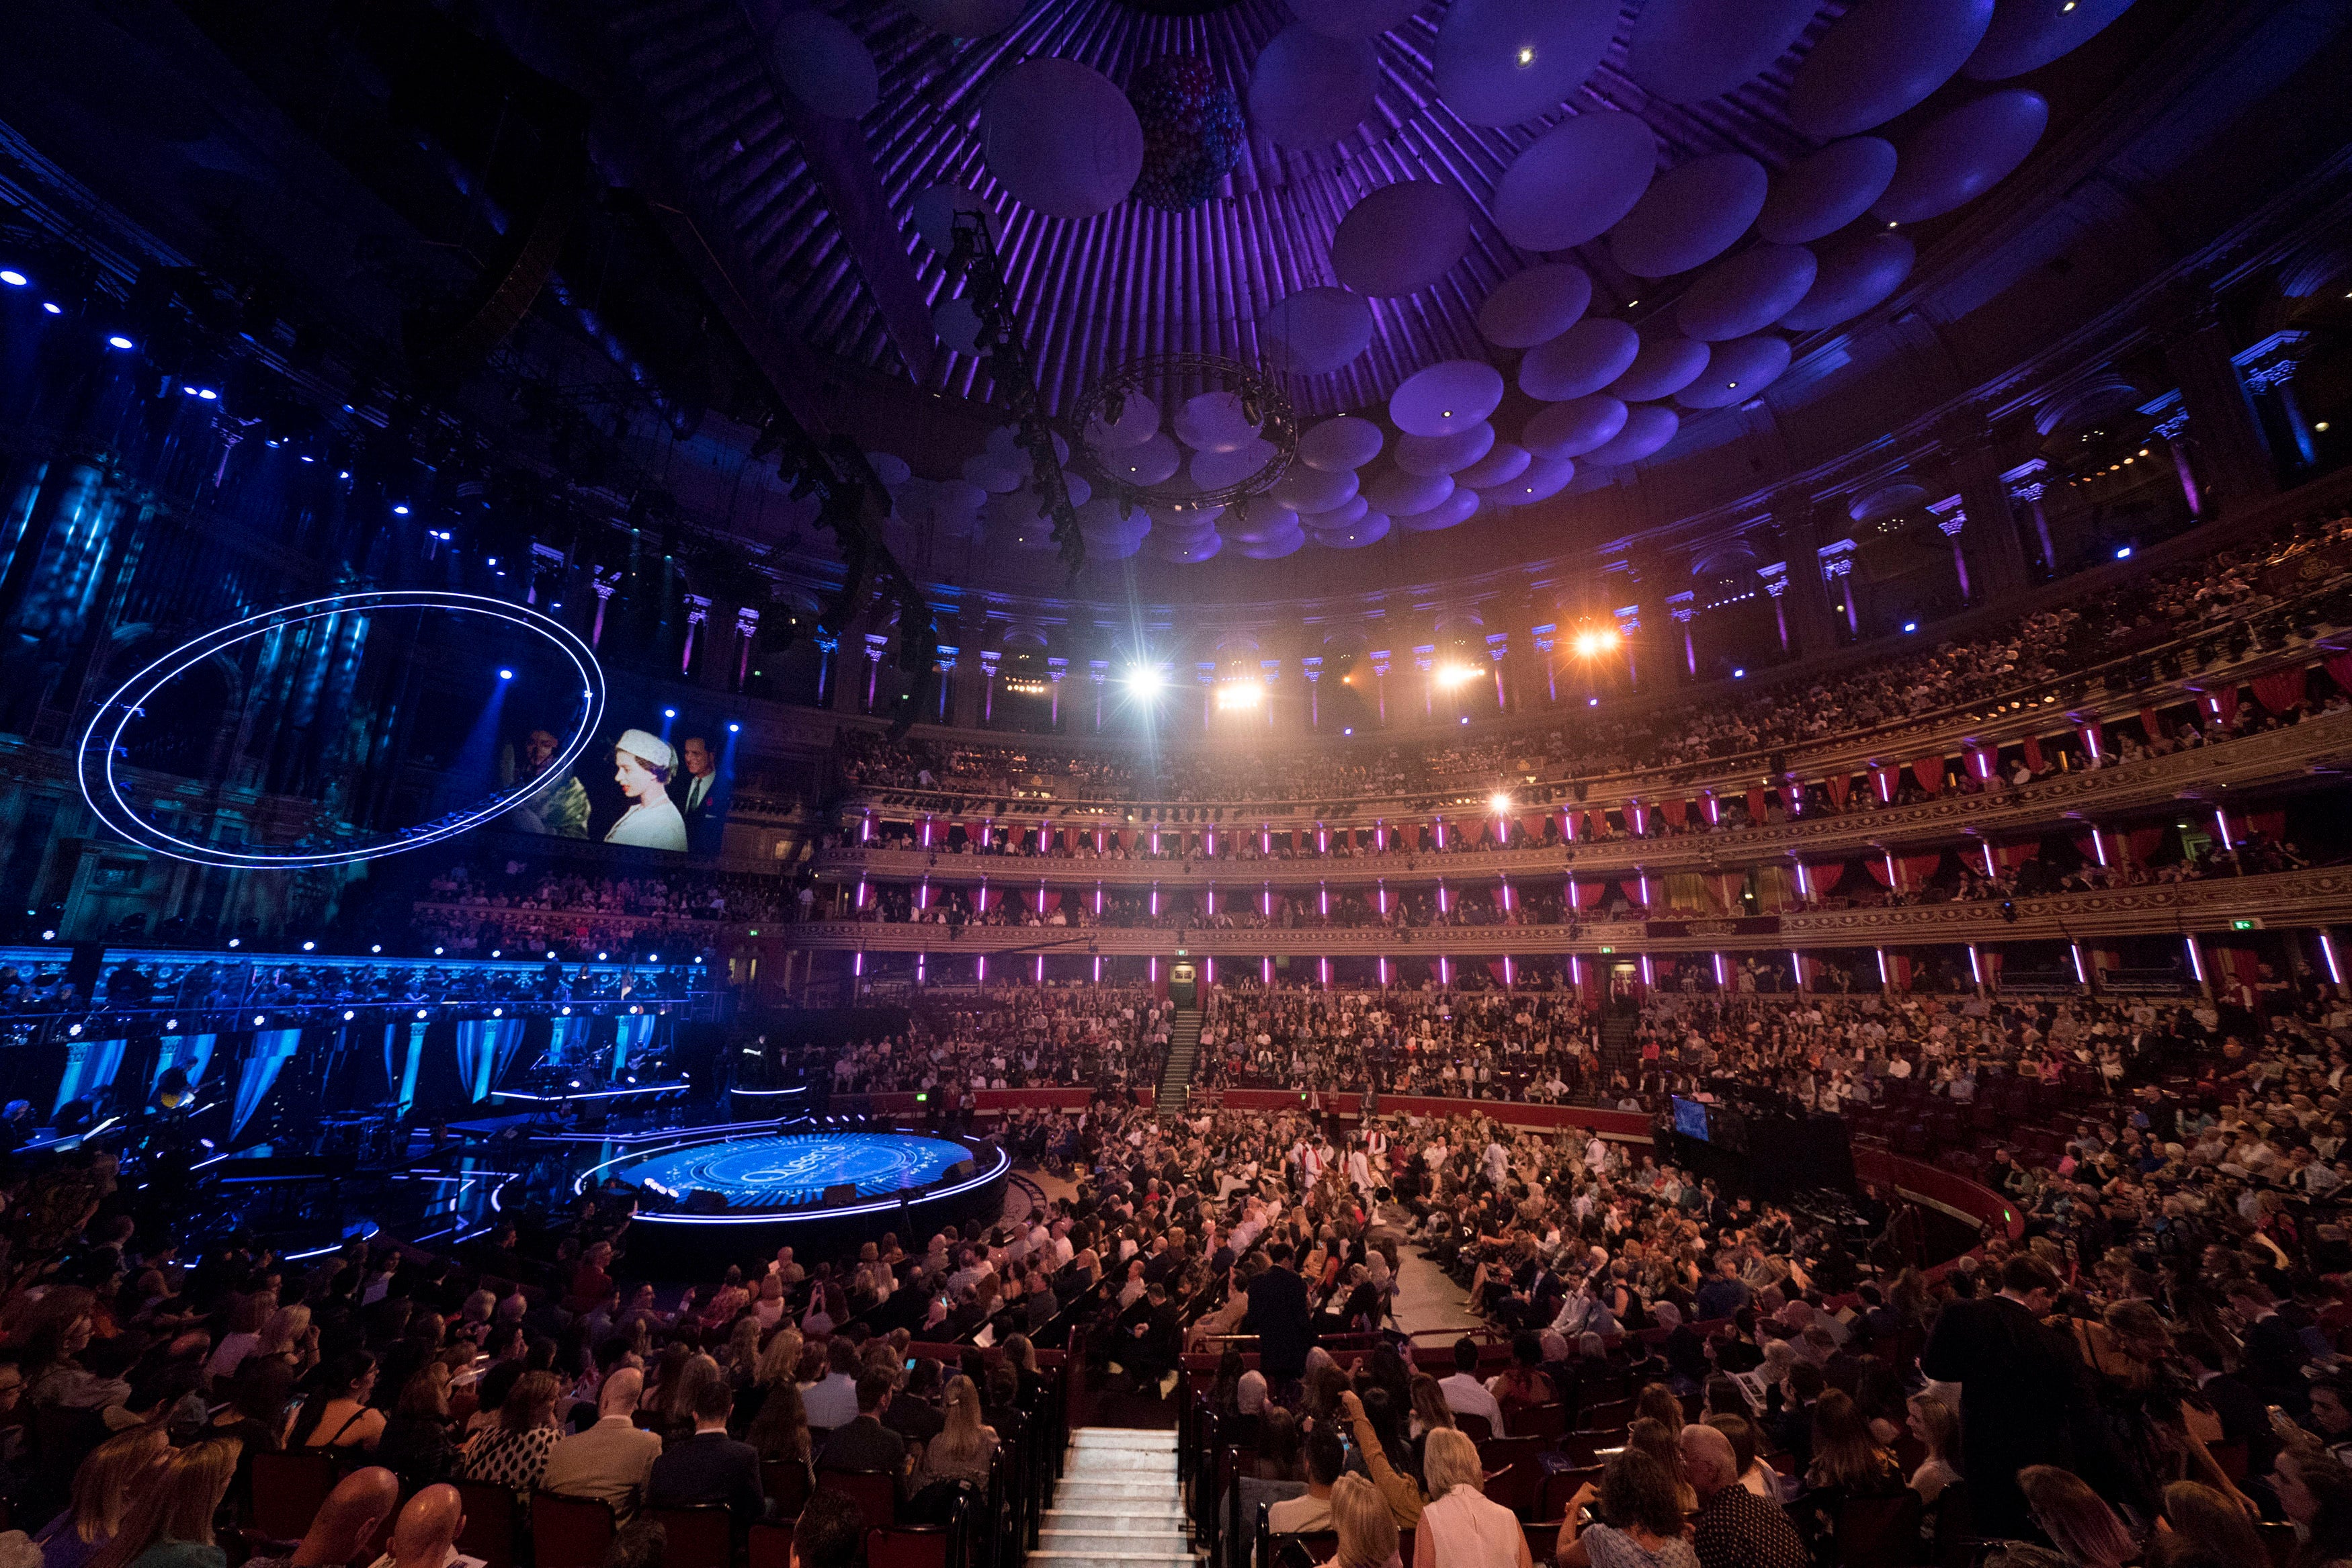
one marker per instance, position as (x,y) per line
(743,1190)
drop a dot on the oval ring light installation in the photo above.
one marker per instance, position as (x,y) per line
(101,742)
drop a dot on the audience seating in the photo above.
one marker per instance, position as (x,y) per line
(698,1537)
(1878,1531)
(771,1546)
(876,1493)
(570,1532)
(492,1515)
(288,1489)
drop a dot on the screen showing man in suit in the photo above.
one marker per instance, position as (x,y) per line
(703,791)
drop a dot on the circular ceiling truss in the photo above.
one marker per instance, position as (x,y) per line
(1167,378)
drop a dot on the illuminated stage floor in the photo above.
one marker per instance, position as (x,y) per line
(790,1171)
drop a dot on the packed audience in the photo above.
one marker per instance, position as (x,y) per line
(1005,1036)
(2219,592)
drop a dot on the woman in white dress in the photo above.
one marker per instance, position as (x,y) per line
(641,765)
(1460,1527)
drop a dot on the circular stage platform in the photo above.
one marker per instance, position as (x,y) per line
(737,1191)
(796,1169)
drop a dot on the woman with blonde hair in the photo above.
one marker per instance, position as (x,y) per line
(1367,1531)
(781,1359)
(289,1334)
(514,1452)
(2212,1520)
(1460,1527)
(169,1521)
(1937,1425)
(966,1447)
(102,1491)
(2075,1519)
(742,1358)
(1430,1411)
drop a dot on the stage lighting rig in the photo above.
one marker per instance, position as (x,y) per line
(973,258)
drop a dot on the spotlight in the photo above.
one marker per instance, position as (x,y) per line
(2123,552)
(378,948)
(52,936)
(506,674)
(420,1012)
(349,1015)
(118,340)
(497,952)
(400,508)
(1350,730)
(1142,679)
(73,1028)
(734,729)
(1739,675)
(436,952)
(258,1020)
(170,1023)
(13,279)
(310,947)
(1500,802)
(237,941)
(653,958)
(551,952)
(1593,702)
(670,713)
(1466,718)
(1910,625)
(602,956)
(53,307)
(497,1012)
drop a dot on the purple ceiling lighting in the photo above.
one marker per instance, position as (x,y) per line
(1429,206)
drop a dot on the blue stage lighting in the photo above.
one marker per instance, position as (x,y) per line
(13,278)
(119,341)
(506,674)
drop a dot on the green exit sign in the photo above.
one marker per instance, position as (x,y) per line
(1607,950)
(2245,925)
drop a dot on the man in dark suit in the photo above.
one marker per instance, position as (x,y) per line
(866,1444)
(2015,1379)
(2244,1414)
(710,1467)
(702,795)
(2274,1351)
(1279,1317)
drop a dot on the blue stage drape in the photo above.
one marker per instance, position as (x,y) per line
(90,1066)
(272,1049)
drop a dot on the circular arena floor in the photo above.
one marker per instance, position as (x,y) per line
(786,1172)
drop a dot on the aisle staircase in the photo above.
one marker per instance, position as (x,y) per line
(1618,1052)
(1119,1503)
(1183,1059)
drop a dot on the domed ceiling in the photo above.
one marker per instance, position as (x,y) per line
(1590,220)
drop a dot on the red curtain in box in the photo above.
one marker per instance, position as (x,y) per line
(1898,971)
(2009,857)
(1918,869)
(2033,753)
(1495,968)
(1584,894)
(2339,670)
(1929,773)
(2222,704)
(1876,865)
(1677,810)
(2150,724)
(2142,842)
(1755,805)
(1840,786)
(1989,960)
(1885,779)
(2281,691)
(2272,825)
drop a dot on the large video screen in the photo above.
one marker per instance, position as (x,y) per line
(667,785)
(1690,1118)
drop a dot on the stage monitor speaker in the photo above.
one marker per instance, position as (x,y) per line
(702,1200)
(840,1192)
(962,1170)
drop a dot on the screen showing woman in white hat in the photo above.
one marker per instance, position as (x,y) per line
(641,765)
